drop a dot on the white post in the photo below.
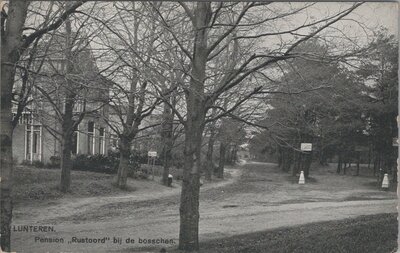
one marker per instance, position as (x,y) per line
(40,142)
(77,139)
(26,141)
(31,151)
(301,179)
(385,181)
(94,136)
(104,141)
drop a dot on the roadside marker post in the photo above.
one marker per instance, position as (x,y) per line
(301,178)
(170,177)
(306,150)
(306,146)
(385,182)
(152,155)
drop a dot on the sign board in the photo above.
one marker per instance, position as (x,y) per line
(395,142)
(152,153)
(306,147)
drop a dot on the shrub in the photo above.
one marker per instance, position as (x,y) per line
(95,163)
(142,173)
(38,164)
(134,162)
(55,161)
(105,164)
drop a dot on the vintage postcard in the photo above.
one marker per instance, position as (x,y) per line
(174,126)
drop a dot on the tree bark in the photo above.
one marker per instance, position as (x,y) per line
(189,208)
(67,117)
(194,126)
(10,54)
(123,167)
(209,164)
(7,78)
(339,164)
(295,163)
(288,160)
(307,164)
(233,157)
(280,157)
(167,142)
(222,158)
(358,164)
(66,162)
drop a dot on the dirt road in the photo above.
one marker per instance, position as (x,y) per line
(256,197)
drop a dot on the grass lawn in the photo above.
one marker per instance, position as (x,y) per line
(372,233)
(32,184)
(376,233)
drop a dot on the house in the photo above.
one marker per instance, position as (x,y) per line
(36,137)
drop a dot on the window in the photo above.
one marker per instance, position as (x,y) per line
(90,142)
(90,126)
(25,119)
(101,141)
(33,143)
(28,145)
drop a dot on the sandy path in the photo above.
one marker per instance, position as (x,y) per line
(72,206)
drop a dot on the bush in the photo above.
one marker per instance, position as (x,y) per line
(38,164)
(105,164)
(95,163)
(55,161)
(134,162)
(142,173)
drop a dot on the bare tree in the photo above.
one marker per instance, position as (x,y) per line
(13,45)
(212,25)
(130,56)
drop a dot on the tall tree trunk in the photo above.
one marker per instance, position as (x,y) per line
(289,160)
(123,167)
(234,155)
(307,164)
(339,164)
(222,159)
(300,162)
(344,167)
(189,208)
(194,126)
(10,55)
(280,157)
(283,160)
(358,164)
(295,162)
(66,162)
(67,120)
(167,142)
(7,78)
(209,164)
(369,156)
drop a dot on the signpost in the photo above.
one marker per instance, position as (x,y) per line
(152,155)
(306,146)
(395,142)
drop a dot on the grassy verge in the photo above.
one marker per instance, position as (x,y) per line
(42,184)
(372,233)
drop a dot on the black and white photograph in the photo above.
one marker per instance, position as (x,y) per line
(204,127)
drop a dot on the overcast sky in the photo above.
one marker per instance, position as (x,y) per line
(377,13)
